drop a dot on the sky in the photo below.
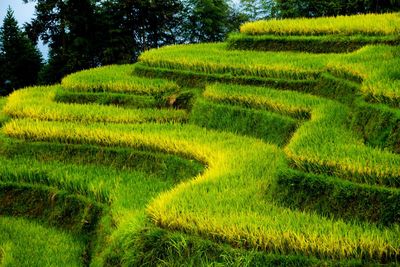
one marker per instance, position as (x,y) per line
(22,13)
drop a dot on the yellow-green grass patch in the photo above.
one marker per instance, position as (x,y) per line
(38,103)
(27,243)
(117,79)
(366,24)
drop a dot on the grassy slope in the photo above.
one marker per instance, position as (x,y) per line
(215,208)
(234,200)
(372,64)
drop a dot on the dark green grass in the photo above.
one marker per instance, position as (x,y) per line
(270,127)
(310,44)
(153,246)
(146,160)
(3,117)
(26,243)
(64,185)
(378,124)
(335,197)
(198,79)
(124,100)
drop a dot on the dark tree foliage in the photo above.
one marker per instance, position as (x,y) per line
(318,8)
(259,9)
(206,20)
(69,28)
(150,23)
(87,33)
(114,36)
(20,61)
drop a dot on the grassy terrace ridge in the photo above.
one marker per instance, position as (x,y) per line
(39,103)
(200,155)
(372,65)
(365,24)
(339,34)
(117,79)
(228,222)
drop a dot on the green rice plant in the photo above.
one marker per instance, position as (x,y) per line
(228,205)
(117,79)
(26,243)
(334,43)
(337,198)
(38,103)
(158,246)
(372,65)
(124,100)
(124,179)
(214,58)
(191,79)
(3,116)
(323,144)
(378,124)
(365,24)
(270,127)
(289,103)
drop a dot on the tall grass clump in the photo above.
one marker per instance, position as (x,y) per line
(117,79)
(365,24)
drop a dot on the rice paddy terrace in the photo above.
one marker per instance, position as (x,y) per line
(279,147)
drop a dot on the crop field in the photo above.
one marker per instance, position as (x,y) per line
(319,35)
(212,155)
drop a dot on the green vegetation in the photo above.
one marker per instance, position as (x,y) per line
(366,24)
(26,243)
(3,116)
(372,64)
(38,102)
(312,44)
(20,60)
(320,35)
(117,79)
(200,155)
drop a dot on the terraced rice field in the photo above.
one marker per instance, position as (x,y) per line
(207,155)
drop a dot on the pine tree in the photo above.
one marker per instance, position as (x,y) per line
(258,9)
(20,59)
(207,20)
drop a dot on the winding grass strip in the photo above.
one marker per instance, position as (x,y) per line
(334,43)
(116,79)
(38,103)
(122,100)
(230,204)
(372,64)
(214,58)
(366,24)
(288,103)
(270,127)
(323,144)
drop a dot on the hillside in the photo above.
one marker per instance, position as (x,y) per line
(225,154)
